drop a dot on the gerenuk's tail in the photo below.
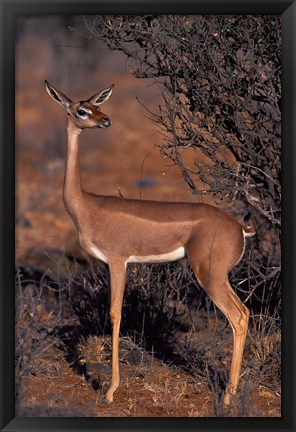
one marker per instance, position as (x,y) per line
(249,231)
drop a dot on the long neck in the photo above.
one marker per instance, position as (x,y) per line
(73,192)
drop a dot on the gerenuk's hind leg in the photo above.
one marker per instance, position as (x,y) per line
(220,291)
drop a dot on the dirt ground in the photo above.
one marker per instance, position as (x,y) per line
(68,380)
(122,159)
(154,390)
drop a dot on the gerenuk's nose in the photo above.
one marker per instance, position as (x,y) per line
(107,122)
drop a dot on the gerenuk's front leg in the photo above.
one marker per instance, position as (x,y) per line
(117,285)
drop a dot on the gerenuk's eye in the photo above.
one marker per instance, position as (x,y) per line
(81,113)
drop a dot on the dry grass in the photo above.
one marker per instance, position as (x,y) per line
(174,362)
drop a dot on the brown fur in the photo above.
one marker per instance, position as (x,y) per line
(117,228)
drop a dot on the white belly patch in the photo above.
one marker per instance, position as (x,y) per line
(97,254)
(166,257)
(170,256)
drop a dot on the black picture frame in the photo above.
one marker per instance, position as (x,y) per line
(9,11)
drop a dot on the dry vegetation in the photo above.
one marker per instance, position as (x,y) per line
(175,348)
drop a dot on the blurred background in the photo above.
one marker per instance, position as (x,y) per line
(122,158)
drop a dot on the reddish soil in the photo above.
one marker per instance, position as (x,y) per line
(149,388)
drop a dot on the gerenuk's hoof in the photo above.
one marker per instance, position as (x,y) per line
(226,399)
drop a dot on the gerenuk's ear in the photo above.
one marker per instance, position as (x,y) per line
(99,98)
(57,95)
